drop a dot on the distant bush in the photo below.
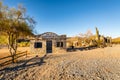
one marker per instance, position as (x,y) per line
(116,41)
(24,44)
(3,40)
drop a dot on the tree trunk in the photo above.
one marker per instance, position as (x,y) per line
(12,43)
(13,58)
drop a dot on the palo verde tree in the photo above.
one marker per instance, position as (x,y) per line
(86,37)
(15,23)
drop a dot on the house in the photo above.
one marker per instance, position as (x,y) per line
(48,42)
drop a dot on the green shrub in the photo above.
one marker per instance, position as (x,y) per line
(24,44)
(3,39)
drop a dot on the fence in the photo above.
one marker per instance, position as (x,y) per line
(8,59)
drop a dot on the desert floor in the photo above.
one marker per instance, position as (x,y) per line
(5,52)
(95,64)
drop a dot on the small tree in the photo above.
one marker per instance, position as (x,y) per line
(86,36)
(14,23)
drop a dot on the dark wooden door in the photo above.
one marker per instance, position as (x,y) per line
(49,46)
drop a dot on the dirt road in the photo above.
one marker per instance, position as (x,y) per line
(96,64)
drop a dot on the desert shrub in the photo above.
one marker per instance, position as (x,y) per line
(24,44)
(116,41)
(3,40)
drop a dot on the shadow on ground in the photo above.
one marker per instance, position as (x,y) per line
(72,49)
(22,65)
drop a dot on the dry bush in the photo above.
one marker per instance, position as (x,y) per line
(116,41)
(24,44)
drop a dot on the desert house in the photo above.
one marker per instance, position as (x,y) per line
(48,42)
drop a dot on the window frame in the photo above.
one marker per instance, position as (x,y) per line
(59,44)
(38,45)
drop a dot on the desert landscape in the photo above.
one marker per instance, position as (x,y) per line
(95,64)
(59,40)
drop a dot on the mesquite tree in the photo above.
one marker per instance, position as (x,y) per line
(15,23)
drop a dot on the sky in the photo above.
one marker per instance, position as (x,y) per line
(72,17)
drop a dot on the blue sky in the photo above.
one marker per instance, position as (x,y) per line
(72,17)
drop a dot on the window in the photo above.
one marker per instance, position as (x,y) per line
(38,45)
(59,44)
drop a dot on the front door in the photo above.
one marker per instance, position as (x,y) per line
(49,46)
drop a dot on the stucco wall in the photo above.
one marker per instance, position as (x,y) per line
(38,50)
(59,49)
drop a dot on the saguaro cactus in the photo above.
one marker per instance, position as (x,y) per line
(97,37)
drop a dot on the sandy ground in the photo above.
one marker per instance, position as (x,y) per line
(5,52)
(96,64)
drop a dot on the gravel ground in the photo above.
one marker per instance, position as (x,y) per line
(96,64)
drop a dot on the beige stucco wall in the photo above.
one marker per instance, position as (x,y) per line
(59,49)
(38,50)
